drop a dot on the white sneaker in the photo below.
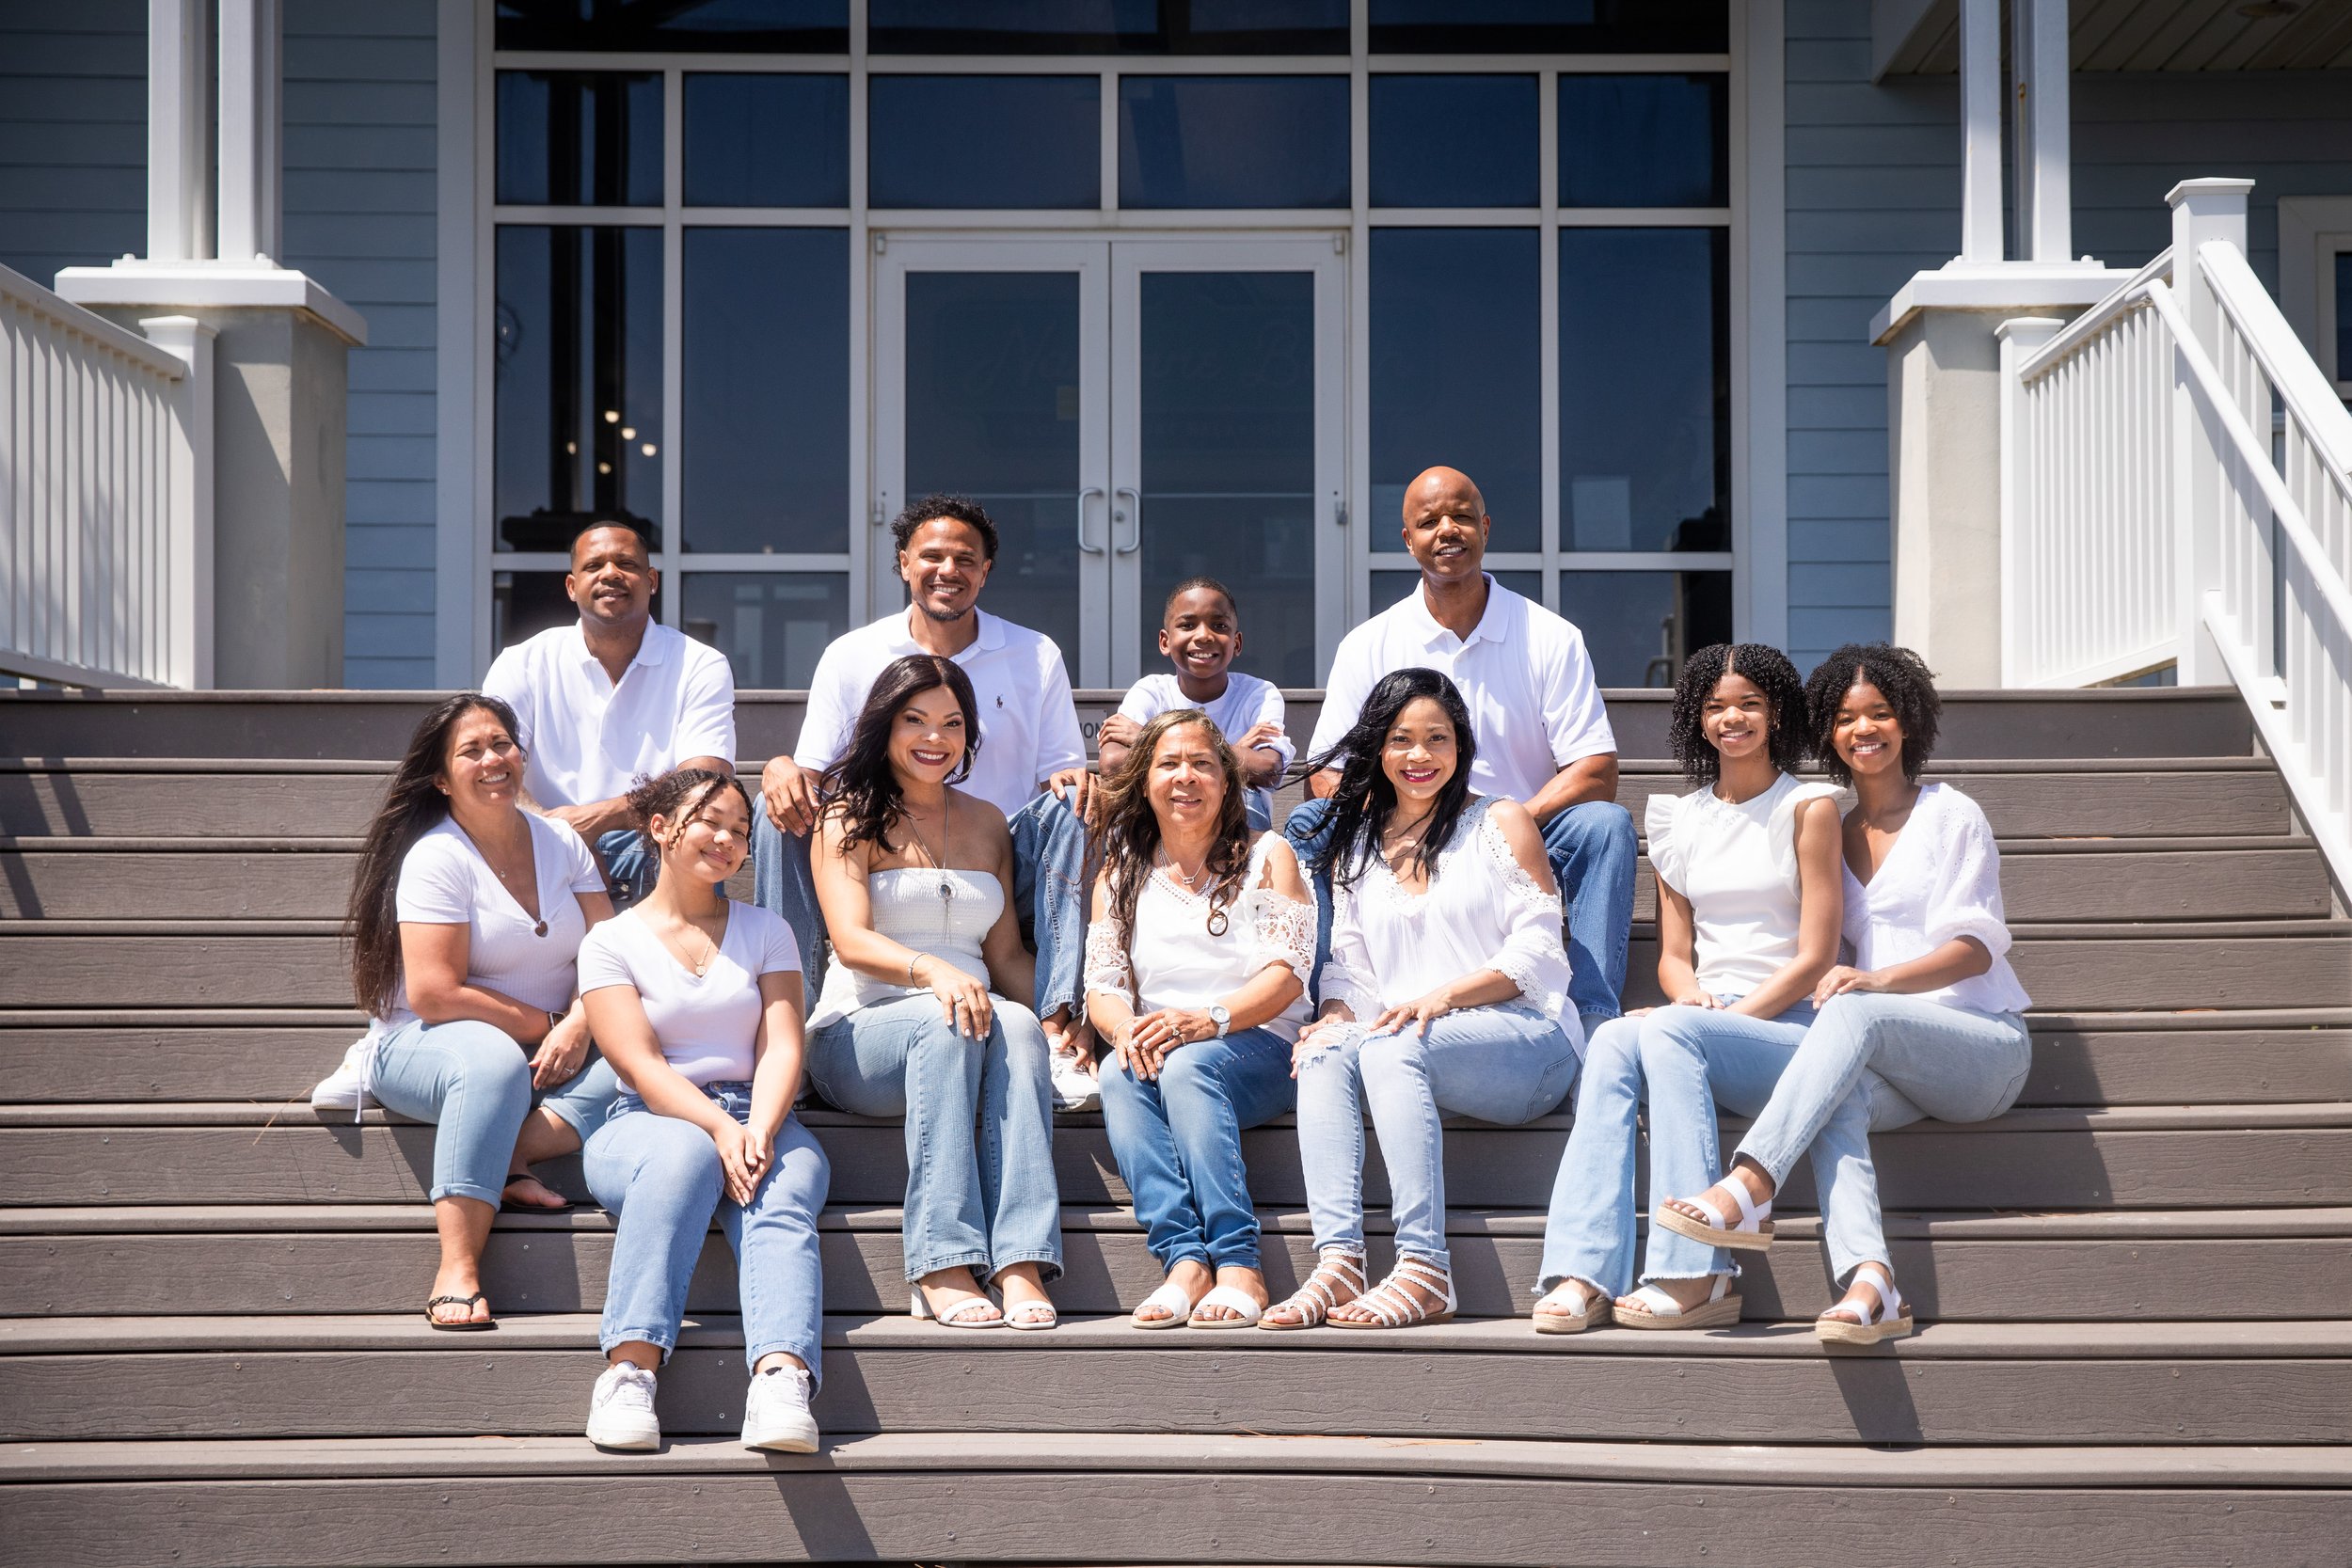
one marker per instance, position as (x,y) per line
(1075,1087)
(347,1088)
(775,1412)
(620,1412)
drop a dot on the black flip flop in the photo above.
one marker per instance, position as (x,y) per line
(464,1325)
(564,1208)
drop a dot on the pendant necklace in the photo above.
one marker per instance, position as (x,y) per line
(947,889)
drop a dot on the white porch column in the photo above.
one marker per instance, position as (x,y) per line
(2046,183)
(179,165)
(2202,210)
(252,209)
(1981,238)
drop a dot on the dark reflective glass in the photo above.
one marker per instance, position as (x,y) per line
(1644,141)
(578,384)
(984,141)
(1639,626)
(1226,427)
(1232,141)
(580,139)
(771,626)
(992,411)
(524,604)
(1107,27)
(754,140)
(1389,587)
(1457,372)
(808,27)
(1454,141)
(1644,389)
(765,358)
(1550,26)
(2344,315)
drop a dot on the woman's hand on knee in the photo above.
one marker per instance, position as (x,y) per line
(963,1000)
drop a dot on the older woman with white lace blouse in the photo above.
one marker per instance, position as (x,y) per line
(1447,992)
(1197,959)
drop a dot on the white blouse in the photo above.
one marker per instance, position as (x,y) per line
(1177,959)
(707,1024)
(1480,910)
(1736,863)
(445,881)
(943,914)
(1941,880)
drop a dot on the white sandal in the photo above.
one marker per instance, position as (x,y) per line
(1247,1310)
(1334,1269)
(1170,1295)
(1022,1319)
(1721,1309)
(1593,1307)
(1752,1233)
(1396,1307)
(1890,1319)
(958,1316)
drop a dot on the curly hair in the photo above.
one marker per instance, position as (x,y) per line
(930,509)
(1769,670)
(1364,797)
(861,787)
(1129,837)
(680,796)
(1901,676)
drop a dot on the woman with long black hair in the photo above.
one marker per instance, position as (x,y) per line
(1447,993)
(925,1011)
(466,921)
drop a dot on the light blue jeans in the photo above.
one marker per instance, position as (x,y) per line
(1870,1063)
(1049,849)
(1505,1064)
(1178,1142)
(661,1180)
(1683,1062)
(973,1201)
(1592,850)
(631,865)
(472,1080)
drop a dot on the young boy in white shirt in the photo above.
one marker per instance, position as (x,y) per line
(1200,634)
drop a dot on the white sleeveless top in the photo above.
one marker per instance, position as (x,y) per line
(943,914)
(1737,864)
(1176,961)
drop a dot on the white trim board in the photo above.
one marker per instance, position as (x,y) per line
(2305,223)
(456,646)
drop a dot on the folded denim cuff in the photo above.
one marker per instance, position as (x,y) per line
(494,1196)
(662,1340)
(917,1268)
(1049,1261)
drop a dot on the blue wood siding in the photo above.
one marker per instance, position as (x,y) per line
(72,135)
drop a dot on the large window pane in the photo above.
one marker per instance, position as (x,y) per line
(1457,372)
(984,141)
(1639,626)
(1232,141)
(1454,141)
(524,604)
(771,626)
(1644,141)
(1107,27)
(578,389)
(580,139)
(765,367)
(726,26)
(1550,26)
(1644,389)
(755,141)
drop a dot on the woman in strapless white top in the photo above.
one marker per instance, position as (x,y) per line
(926,1010)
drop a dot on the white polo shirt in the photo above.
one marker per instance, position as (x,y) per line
(1247,702)
(1522,673)
(1028,720)
(589,738)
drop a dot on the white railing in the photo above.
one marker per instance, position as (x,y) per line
(105,495)
(2177,489)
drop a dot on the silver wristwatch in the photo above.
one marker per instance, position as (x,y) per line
(1218,1016)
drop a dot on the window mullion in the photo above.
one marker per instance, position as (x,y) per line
(1548,324)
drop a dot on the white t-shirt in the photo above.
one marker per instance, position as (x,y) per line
(707,1024)
(1028,720)
(587,738)
(1941,880)
(1737,864)
(1522,673)
(445,881)
(1246,702)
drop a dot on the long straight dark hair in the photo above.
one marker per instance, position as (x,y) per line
(1365,797)
(861,787)
(1129,838)
(413,806)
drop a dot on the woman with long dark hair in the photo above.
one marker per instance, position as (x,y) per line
(466,922)
(1447,993)
(1196,961)
(926,1008)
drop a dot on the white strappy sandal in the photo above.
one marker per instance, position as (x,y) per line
(1721,1309)
(1890,1319)
(1592,1309)
(1030,1317)
(1335,1271)
(962,1315)
(1176,1304)
(1752,1233)
(1396,1307)
(1246,1307)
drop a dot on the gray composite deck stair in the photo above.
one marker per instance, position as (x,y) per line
(2136,1287)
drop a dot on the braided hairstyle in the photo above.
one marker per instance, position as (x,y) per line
(1769,670)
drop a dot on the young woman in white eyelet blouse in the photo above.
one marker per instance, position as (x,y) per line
(1925,1021)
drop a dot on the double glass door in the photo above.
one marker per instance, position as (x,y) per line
(1131,413)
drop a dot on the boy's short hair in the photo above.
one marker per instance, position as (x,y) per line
(1208,583)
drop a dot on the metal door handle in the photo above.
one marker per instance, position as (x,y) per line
(1083,546)
(1132,516)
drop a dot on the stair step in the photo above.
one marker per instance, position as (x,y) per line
(2124,1265)
(1108,1497)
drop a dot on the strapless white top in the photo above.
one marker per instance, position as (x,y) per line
(942,914)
